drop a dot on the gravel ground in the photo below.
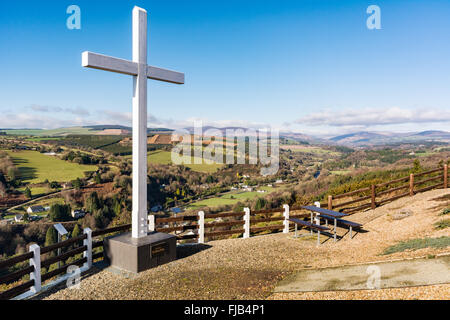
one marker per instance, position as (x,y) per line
(250,268)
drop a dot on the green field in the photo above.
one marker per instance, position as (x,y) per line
(309,149)
(42,202)
(35,167)
(159,156)
(340,172)
(43,139)
(53,132)
(38,191)
(164,157)
(230,198)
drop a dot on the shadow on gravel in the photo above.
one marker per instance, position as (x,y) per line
(96,268)
(183,251)
(186,250)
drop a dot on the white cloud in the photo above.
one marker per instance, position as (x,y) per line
(117,117)
(374,117)
(44,109)
(35,121)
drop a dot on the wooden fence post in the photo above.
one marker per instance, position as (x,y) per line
(373,203)
(36,263)
(445,176)
(411,184)
(201,227)
(247,223)
(286,218)
(88,243)
(151,223)
(330,202)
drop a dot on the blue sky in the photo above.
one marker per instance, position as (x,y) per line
(309,66)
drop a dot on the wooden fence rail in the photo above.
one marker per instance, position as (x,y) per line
(244,223)
(378,191)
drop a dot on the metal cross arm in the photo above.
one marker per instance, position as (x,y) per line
(107,63)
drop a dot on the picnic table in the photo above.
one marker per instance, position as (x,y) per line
(326,213)
(352,225)
(311,225)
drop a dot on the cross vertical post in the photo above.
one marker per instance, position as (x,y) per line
(139,216)
(140,71)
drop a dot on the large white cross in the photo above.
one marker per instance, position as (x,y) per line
(140,71)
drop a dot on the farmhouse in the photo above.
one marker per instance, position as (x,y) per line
(35,209)
(67,185)
(34,218)
(18,218)
(77,214)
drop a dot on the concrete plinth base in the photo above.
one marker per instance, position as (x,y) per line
(137,255)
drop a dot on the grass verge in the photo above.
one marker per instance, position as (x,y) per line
(416,244)
(443,224)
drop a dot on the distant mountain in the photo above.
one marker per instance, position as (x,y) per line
(119,127)
(434,134)
(357,137)
(107,127)
(301,137)
(365,138)
(210,128)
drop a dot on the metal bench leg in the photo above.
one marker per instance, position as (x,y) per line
(335,224)
(295,230)
(311,222)
(351,232)
(318,237)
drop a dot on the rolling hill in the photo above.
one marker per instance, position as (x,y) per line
(365,138)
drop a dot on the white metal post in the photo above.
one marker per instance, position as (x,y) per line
(317,219)
(201,227)
(286,218)
(36,263)
(88,243)
(247,223)
(151,223)
(139,206)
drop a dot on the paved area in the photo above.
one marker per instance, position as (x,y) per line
(397,274)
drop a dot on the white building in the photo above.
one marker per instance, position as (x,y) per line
(35,209)
(77,214)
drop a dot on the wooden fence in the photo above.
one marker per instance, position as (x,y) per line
(27,280)
(382,193)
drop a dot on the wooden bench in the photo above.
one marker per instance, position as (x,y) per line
(309,225)
(352,225)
